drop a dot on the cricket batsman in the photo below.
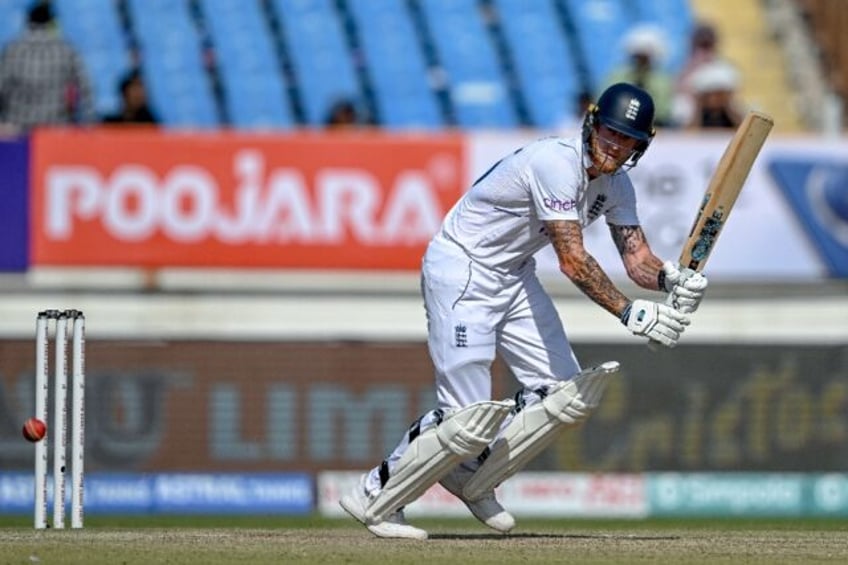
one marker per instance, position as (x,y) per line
(483,298)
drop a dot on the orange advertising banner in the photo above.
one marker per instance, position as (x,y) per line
(147,198)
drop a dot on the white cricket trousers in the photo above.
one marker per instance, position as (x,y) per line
(474,314)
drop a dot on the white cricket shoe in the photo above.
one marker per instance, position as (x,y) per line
(394,526)
(487,509)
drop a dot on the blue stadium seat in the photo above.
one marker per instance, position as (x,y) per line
(396,64)
(676,19)
(323,65)
(12,19)
(93,27)
(478,88)
(325,70)
(180,99)
(255,104)
(543,61)
(247,62)
(172,63)
(600,26)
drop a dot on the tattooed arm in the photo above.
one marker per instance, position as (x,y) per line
(583,270)
(643,267)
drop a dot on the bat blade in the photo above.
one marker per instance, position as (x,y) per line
(724,188)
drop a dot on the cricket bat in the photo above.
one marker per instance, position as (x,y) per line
(723,189)
(722,192)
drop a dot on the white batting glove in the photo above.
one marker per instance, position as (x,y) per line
(685,287)
(654,320)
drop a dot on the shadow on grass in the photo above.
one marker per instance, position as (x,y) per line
(507,537)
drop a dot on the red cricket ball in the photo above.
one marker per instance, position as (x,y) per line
(34,430)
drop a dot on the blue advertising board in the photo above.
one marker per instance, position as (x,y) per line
(817,189)
(174,493)
(14,205)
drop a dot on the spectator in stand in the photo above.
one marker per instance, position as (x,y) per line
(342,115)
(134,108)
(704,50)
(715,87)
(42,78)
(646,46)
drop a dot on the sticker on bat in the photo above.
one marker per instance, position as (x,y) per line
(706,238)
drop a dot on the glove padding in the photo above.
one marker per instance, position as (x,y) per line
(654,320)
(685,287)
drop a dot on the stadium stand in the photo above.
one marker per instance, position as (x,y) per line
(599,27)
(809,68)
(749,43)
(254,94)
(544,64)
(12,19)
(676,19)
(94,28)
(322,64)
(396,62)
(479,92)
(173,64)
(422,64)
(828,20)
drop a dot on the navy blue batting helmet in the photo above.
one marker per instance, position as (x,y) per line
(627,109)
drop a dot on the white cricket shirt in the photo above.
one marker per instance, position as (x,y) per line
(499,221)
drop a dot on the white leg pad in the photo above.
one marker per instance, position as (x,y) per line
(461,435)
(567,404)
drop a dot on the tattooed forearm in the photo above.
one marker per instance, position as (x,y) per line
(591,279)
(645,272)
(628,239)
(583,270)
(641,264)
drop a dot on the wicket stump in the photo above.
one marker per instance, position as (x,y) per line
(73,322)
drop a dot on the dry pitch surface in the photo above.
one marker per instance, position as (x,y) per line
(311,540)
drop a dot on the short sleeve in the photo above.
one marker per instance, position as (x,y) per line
(622,212)
(556,178)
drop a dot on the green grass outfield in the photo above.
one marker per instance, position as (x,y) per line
(213,540)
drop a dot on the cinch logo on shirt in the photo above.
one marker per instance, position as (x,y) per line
(560,205)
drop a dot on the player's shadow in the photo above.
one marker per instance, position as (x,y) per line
(550,536)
